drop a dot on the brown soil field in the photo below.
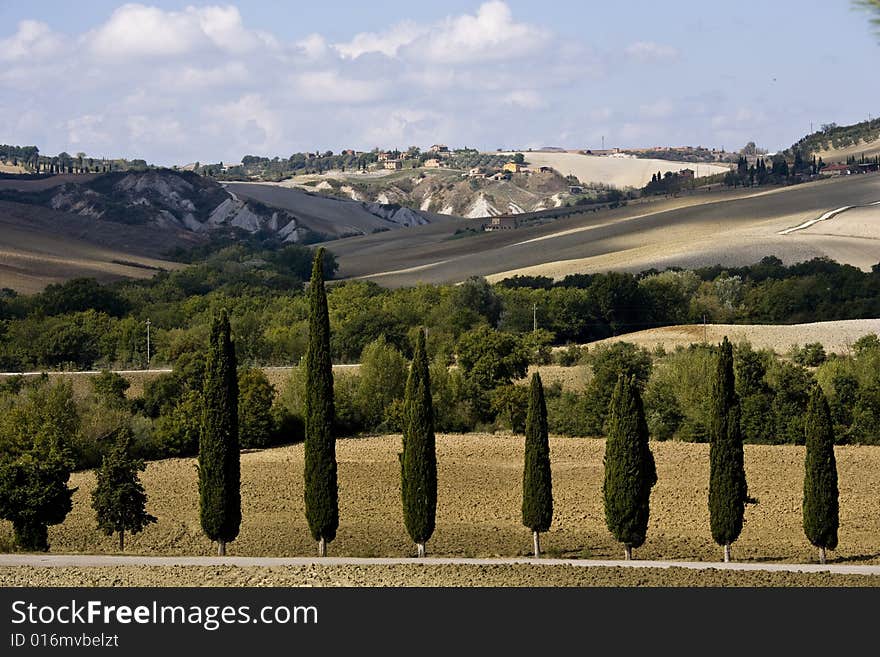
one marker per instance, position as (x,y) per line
(415,575)
(480,479)
(837,337)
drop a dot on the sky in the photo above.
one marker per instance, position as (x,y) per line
(175,82)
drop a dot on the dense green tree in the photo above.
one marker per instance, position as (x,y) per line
(537,503)
(256,425)
(119,499)
(728,492)
(110,388)
(607,363)
(381,383)
(821,506)
(33,495)
(630,472)
(755,395)
(792,393)
(418,460)
(490,358)
(321,489)
(219,459)
(509,405)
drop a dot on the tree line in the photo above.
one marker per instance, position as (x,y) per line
(83,325)
(34,492)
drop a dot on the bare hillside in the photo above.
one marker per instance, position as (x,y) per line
(334,217)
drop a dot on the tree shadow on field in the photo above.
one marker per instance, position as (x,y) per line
(856,558)
(773,558)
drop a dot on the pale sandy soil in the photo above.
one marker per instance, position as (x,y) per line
(414,575)
(619,172)
(836,337)
(480,479)
(9,168)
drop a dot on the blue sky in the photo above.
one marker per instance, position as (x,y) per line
(174,82)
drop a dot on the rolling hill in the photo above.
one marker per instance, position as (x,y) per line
(122,224)
(728,227)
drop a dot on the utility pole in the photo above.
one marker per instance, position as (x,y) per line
(534,317)
(148,343)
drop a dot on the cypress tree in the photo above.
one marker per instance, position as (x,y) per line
(219,465)
(321,491)
(537,504)
(418,460)
(630,472)
(820,476)
(728,492)
(119,499)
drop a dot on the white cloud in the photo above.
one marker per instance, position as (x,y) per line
(650,51)
(248,122)
(489,34)
(32,40)
(404,126)
(387,43)
(659,109)
(161,129)
(86,129)
(195,78)
(331,87)
(526,99)
(135,30)
(313,46)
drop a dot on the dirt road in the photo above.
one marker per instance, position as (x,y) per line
(103,561)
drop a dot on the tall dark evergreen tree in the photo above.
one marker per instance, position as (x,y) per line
(418,460)
(219,459)
(821,506)
(119,499)
(630,472)
(537,504)
(728,492)
(321,490)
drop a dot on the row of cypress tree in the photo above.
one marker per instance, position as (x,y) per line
(630,472)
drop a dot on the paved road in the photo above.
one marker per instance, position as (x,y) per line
(93,561)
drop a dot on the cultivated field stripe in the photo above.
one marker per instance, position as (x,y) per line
(98,561)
